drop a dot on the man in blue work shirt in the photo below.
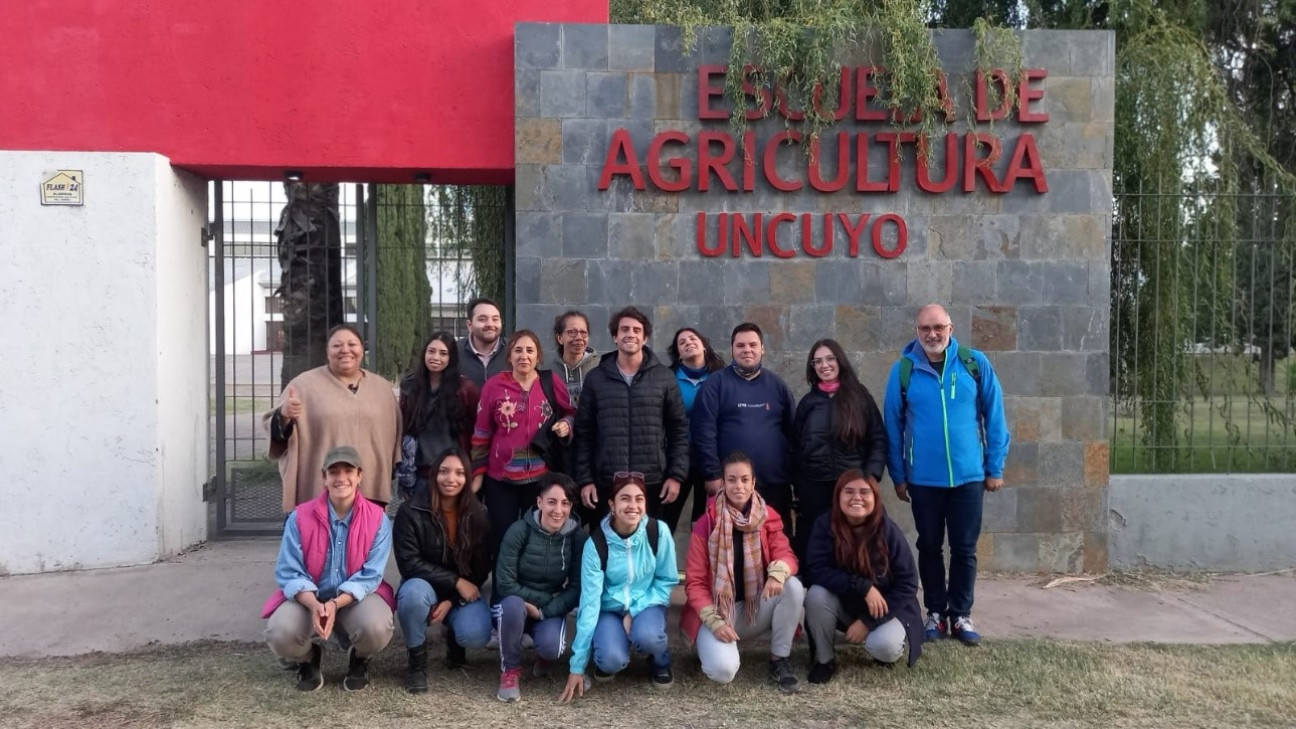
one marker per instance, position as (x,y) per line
(329,572)
(947,442)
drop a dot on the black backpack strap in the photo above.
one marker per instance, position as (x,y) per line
(547,386)
(654,534)
(600,544)
(600,540)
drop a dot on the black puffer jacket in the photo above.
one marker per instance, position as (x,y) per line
(543,569)
(820,457)
(419,542)
(641,427)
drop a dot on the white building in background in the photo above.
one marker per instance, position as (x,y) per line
(253,322)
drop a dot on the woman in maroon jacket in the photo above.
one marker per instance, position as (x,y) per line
(739,580)
(865,581)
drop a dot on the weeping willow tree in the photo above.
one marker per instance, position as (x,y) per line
(798,46)
(1187,158)
(404,315)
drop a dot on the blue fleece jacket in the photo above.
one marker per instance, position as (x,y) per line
(635,580)
(938,440)
(753,416)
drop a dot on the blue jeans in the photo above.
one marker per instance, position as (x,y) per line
(611,644)
(936,510)
(550,634)
(471,622)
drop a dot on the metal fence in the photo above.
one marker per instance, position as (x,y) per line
(397,269)
(1202,367)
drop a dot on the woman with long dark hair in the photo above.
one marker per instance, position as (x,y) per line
(438,409)
(443,552)
(865,581)
(839,427)
(692,359)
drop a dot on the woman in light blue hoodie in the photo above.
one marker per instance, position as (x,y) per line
(627,573)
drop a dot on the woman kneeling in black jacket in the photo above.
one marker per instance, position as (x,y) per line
(442,546)
(865,581)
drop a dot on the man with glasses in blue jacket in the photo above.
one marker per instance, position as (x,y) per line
(947,442)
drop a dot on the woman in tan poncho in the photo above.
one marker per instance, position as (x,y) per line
(340,403)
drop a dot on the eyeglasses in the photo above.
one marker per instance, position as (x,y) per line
(577,333)
(934,328)
(830,359)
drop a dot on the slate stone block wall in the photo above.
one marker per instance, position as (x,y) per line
(1024,275)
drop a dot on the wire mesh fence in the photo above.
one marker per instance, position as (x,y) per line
(1202,366)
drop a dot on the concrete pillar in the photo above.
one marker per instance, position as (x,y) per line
(104,394)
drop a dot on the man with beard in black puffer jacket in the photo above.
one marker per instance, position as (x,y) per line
(630,419)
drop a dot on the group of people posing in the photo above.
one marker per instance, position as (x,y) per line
(563,486)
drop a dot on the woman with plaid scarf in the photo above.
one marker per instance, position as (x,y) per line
(739,580)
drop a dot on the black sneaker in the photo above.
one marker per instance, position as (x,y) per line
(357,678)
(602,677)
(309,675)
(661,675)
(822,672)
(782,675)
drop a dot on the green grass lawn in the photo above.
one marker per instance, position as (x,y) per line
(1223,435)
(1003,683)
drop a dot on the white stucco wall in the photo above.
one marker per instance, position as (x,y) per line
(103,403)
(181,212)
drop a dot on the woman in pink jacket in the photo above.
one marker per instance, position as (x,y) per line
(513,408)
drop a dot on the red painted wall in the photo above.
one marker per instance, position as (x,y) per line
(344,90)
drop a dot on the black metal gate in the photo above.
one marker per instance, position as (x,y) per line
(382,232)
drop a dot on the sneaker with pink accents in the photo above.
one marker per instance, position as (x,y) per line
(508,688)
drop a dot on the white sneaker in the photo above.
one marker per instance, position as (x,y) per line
(493,643)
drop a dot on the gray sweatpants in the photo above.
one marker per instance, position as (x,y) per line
(824,616)
(366,625)
(778,616)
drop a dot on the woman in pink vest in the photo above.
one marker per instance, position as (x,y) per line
(330,569)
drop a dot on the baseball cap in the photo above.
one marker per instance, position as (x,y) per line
(342,454)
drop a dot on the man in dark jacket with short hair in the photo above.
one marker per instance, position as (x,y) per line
(630,419)
(481,353)
(745,407)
